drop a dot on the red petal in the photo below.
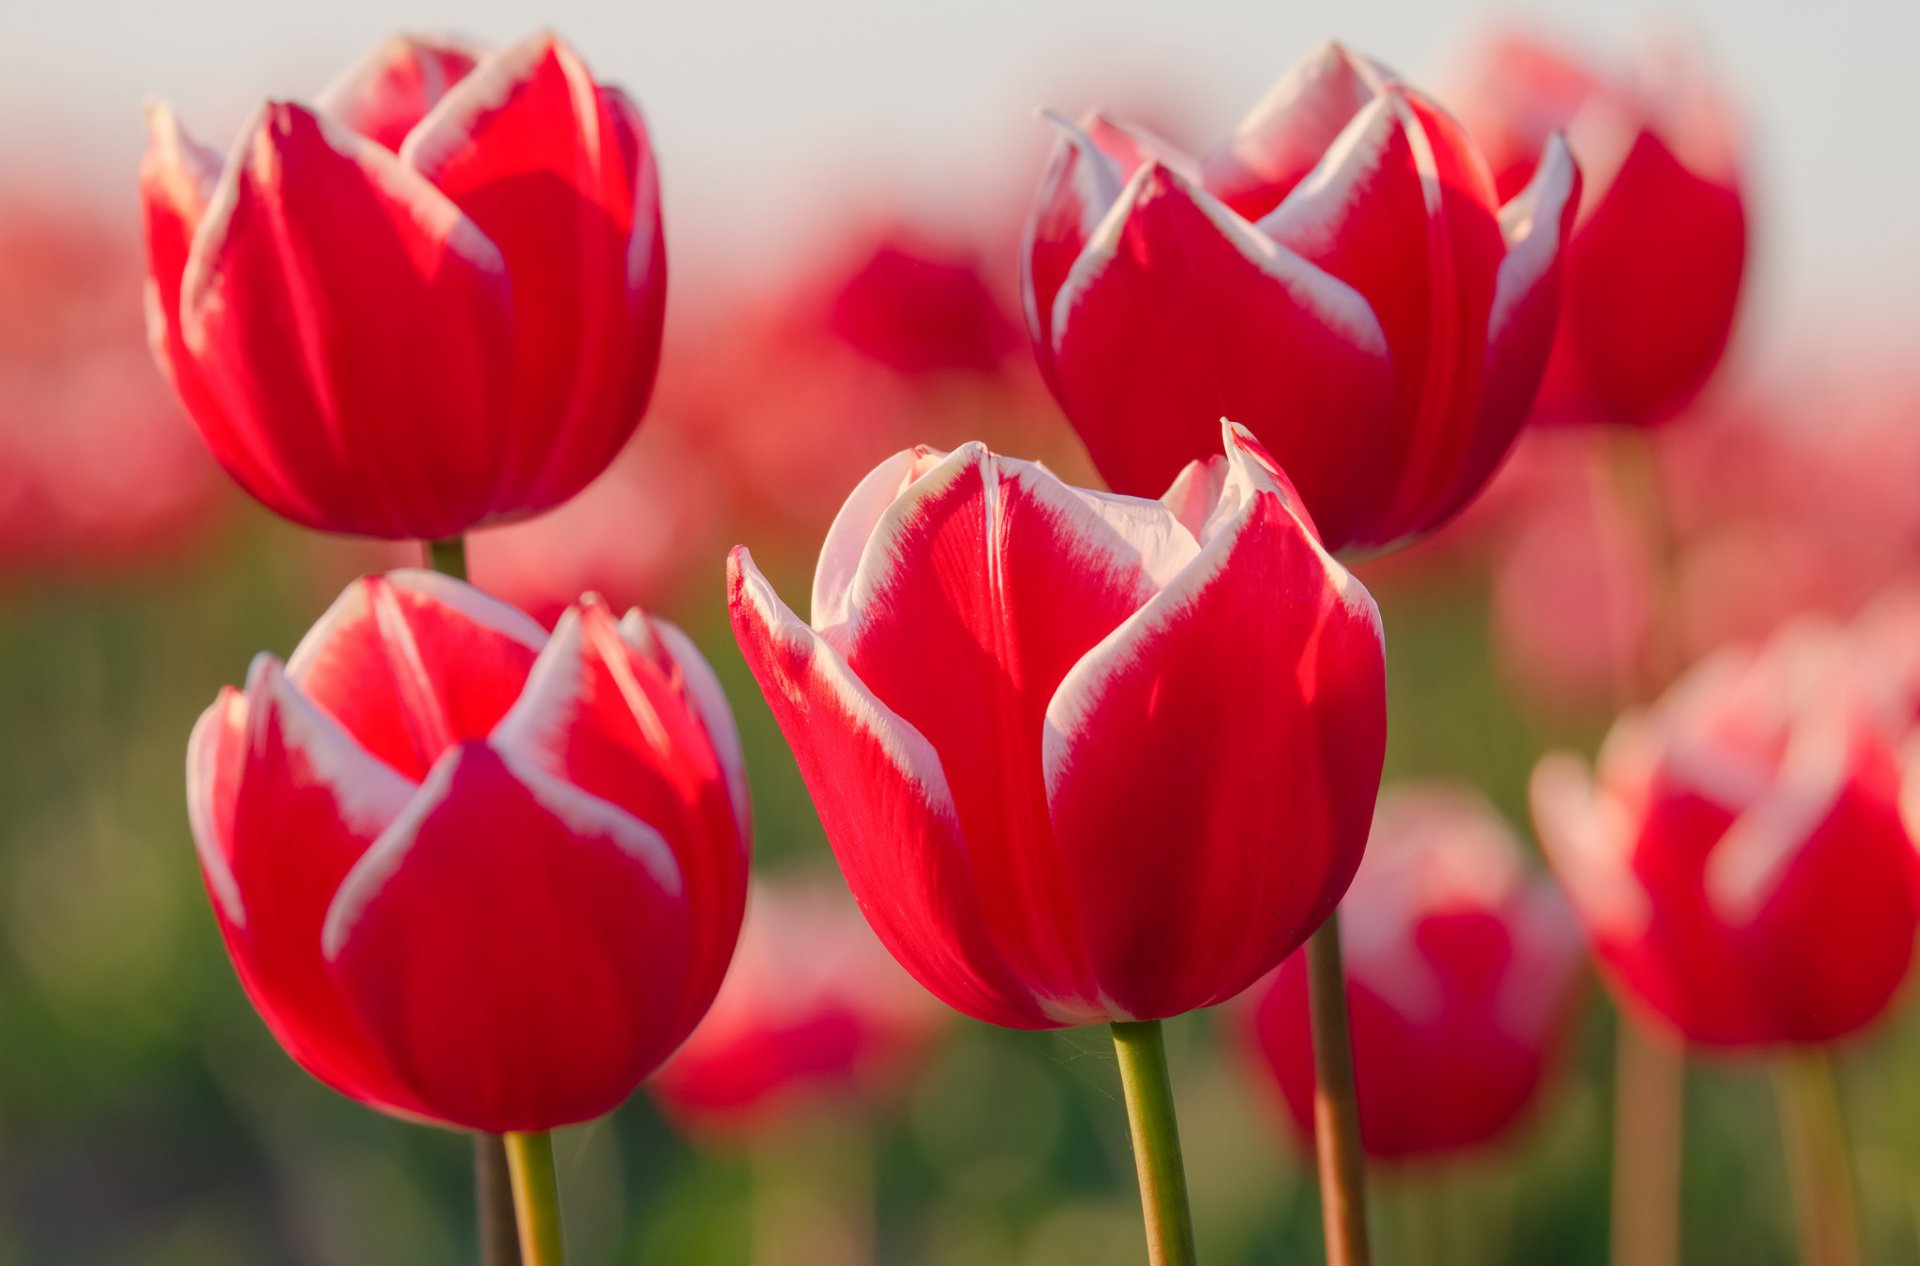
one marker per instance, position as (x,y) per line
(1520,329)
(1091,163)
(353,324)
(413,662)
(384,95)
(984,582)
(559,174)
(283,803)
(517,947)
(178,177)
(1402,209)
(886,806)
(1652,286)
(1211,805)
(603,716)
(1284,137)
(1180,314)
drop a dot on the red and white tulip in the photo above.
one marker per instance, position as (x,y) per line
(468,872)
(1738,856)
(1651,277)
(1462,969)
(430,301)
(1339,276)
(1082,757)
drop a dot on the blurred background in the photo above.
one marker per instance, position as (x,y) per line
(844,187)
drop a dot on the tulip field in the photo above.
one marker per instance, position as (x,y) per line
(1331,684)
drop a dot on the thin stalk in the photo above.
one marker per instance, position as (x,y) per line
(1649,1098)
(492,1191)
(448,556)
(1142,1049)
(1813,1126)
(536,1198)
(493,1203)
(1336,1108)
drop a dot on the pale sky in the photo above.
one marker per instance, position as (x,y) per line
(769,116)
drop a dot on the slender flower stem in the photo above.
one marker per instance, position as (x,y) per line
(492,1192)
(536,1198)
(1142,1049)
(1649,1095)
(1814,1129)
(493,1202)
(448,556)
(1336,1109)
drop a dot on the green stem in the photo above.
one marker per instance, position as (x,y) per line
(1336,1107)
(492,1192)
(1814,1130)
(493,1202)
(448,556)
(1142,1050)
(536,1198)
(1649,1095)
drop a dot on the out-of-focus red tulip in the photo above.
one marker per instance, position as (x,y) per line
(432,301)
(1338,275)
(1738,857)
(896,336)
(1652,274)
(812,1012)
(1082,757)
(1461,973)
(918,306)
(467,872)
(96,467)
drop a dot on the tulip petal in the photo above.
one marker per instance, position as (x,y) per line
(1284,136)
(1521,325)
(1091,163)
(1285,799)
(603,716)
(853,527)
(347,316)
(514,945)
(1653,284)
(995,571)
(1402,209)
(283,803)
(390,90)
(413,662)
(886,806)
(559,174)
(178,178)
(675,654)
(1179,314)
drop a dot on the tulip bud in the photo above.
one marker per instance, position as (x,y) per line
(1461,973)
(1338,276)
(468,872)
(1083,758)
(1651,275)
(431,301)
(1738,856)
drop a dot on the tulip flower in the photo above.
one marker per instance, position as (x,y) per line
(430,301)
(1738,856)
(467,872)
(812,1012)
(1083,758)
(1338,275)
(1651,277)
(1461,973)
